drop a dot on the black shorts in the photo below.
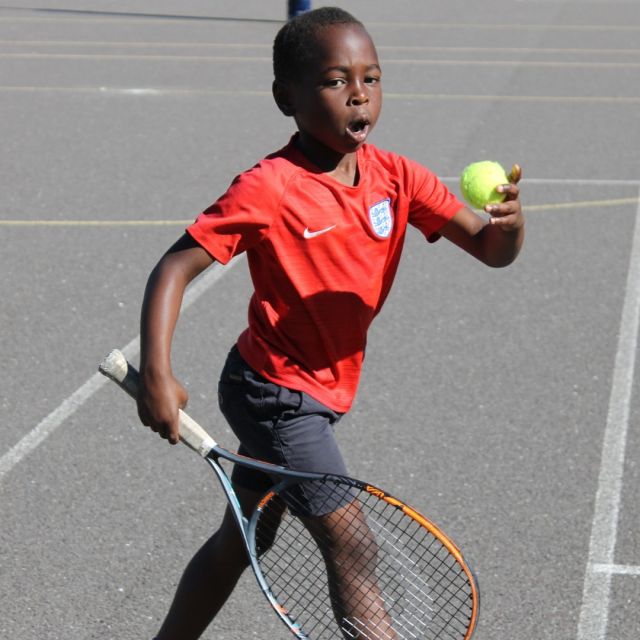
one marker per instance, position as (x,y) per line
(276,424)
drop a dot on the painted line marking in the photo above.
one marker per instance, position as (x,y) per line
(168,91)
(504,27)
(156,91)
(141,18)
(582,182)
(106,17)
(160,223)
(175,44)
(32,440)
(617,569)
(268,45)
(594,613)
(134,56)
(267,60)
(95,223)
(48,425)
(512,98)
(585,204)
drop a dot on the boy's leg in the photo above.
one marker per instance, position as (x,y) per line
(350,553)
(209,578)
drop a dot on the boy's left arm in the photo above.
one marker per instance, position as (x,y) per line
(495,242)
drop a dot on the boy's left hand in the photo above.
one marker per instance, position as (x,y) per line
(508,214)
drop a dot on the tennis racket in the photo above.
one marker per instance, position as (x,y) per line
(368,567)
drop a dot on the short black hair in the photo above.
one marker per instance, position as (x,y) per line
(291,51)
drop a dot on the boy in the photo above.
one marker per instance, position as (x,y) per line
(323,222)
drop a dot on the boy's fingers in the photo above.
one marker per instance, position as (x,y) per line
(509,206)
(511,221)
(510,190)
(506,212)
(504,219)
(516,174)
(173,430)
(182,396)
(167,429)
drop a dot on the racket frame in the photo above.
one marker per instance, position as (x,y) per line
(126,376)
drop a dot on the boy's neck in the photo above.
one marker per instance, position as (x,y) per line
(343,167)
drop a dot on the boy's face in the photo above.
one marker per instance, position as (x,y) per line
(338,100)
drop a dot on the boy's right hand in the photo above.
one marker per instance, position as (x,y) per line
(159,399)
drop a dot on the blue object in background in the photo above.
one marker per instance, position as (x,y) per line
(296,7)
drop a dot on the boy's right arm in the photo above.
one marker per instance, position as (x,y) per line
(161,395)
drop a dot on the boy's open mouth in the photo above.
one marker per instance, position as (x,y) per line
(358,129)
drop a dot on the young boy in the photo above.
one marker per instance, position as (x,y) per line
(322,222)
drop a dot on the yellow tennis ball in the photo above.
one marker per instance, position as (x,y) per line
(478,183)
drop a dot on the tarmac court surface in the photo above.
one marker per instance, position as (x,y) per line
(501,403)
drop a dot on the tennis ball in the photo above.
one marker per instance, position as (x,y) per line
(478,183)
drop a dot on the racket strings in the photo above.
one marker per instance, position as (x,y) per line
(441,569)
(398,536)
(404,549)
(294,552)
(363,570)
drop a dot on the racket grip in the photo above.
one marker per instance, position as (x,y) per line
(127,377)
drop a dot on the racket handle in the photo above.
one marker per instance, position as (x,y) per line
(126,376)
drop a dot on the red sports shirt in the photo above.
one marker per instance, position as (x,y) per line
(322,257)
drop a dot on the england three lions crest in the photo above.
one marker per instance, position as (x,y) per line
(381,218)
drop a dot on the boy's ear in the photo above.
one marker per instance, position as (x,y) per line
(282,97)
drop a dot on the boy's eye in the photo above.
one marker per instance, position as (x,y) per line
(372,79)
(334,82)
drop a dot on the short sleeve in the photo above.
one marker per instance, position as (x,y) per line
(432,205)
(240,218)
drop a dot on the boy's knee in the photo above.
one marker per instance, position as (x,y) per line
(225,547)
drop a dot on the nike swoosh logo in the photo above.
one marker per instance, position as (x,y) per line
(312,234)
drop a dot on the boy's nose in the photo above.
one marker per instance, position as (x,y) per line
(359,96)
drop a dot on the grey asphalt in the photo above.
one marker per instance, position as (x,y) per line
(489,397)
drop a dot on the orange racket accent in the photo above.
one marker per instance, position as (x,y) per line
(337,557)
(440,535)
(455,552)
(265,500)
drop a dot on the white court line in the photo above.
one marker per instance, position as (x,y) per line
(439,97)
(104,17)
(244,46)
(594,182)
(181,57)
(77,399)
(583,181)
(594,614)
(617,569)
